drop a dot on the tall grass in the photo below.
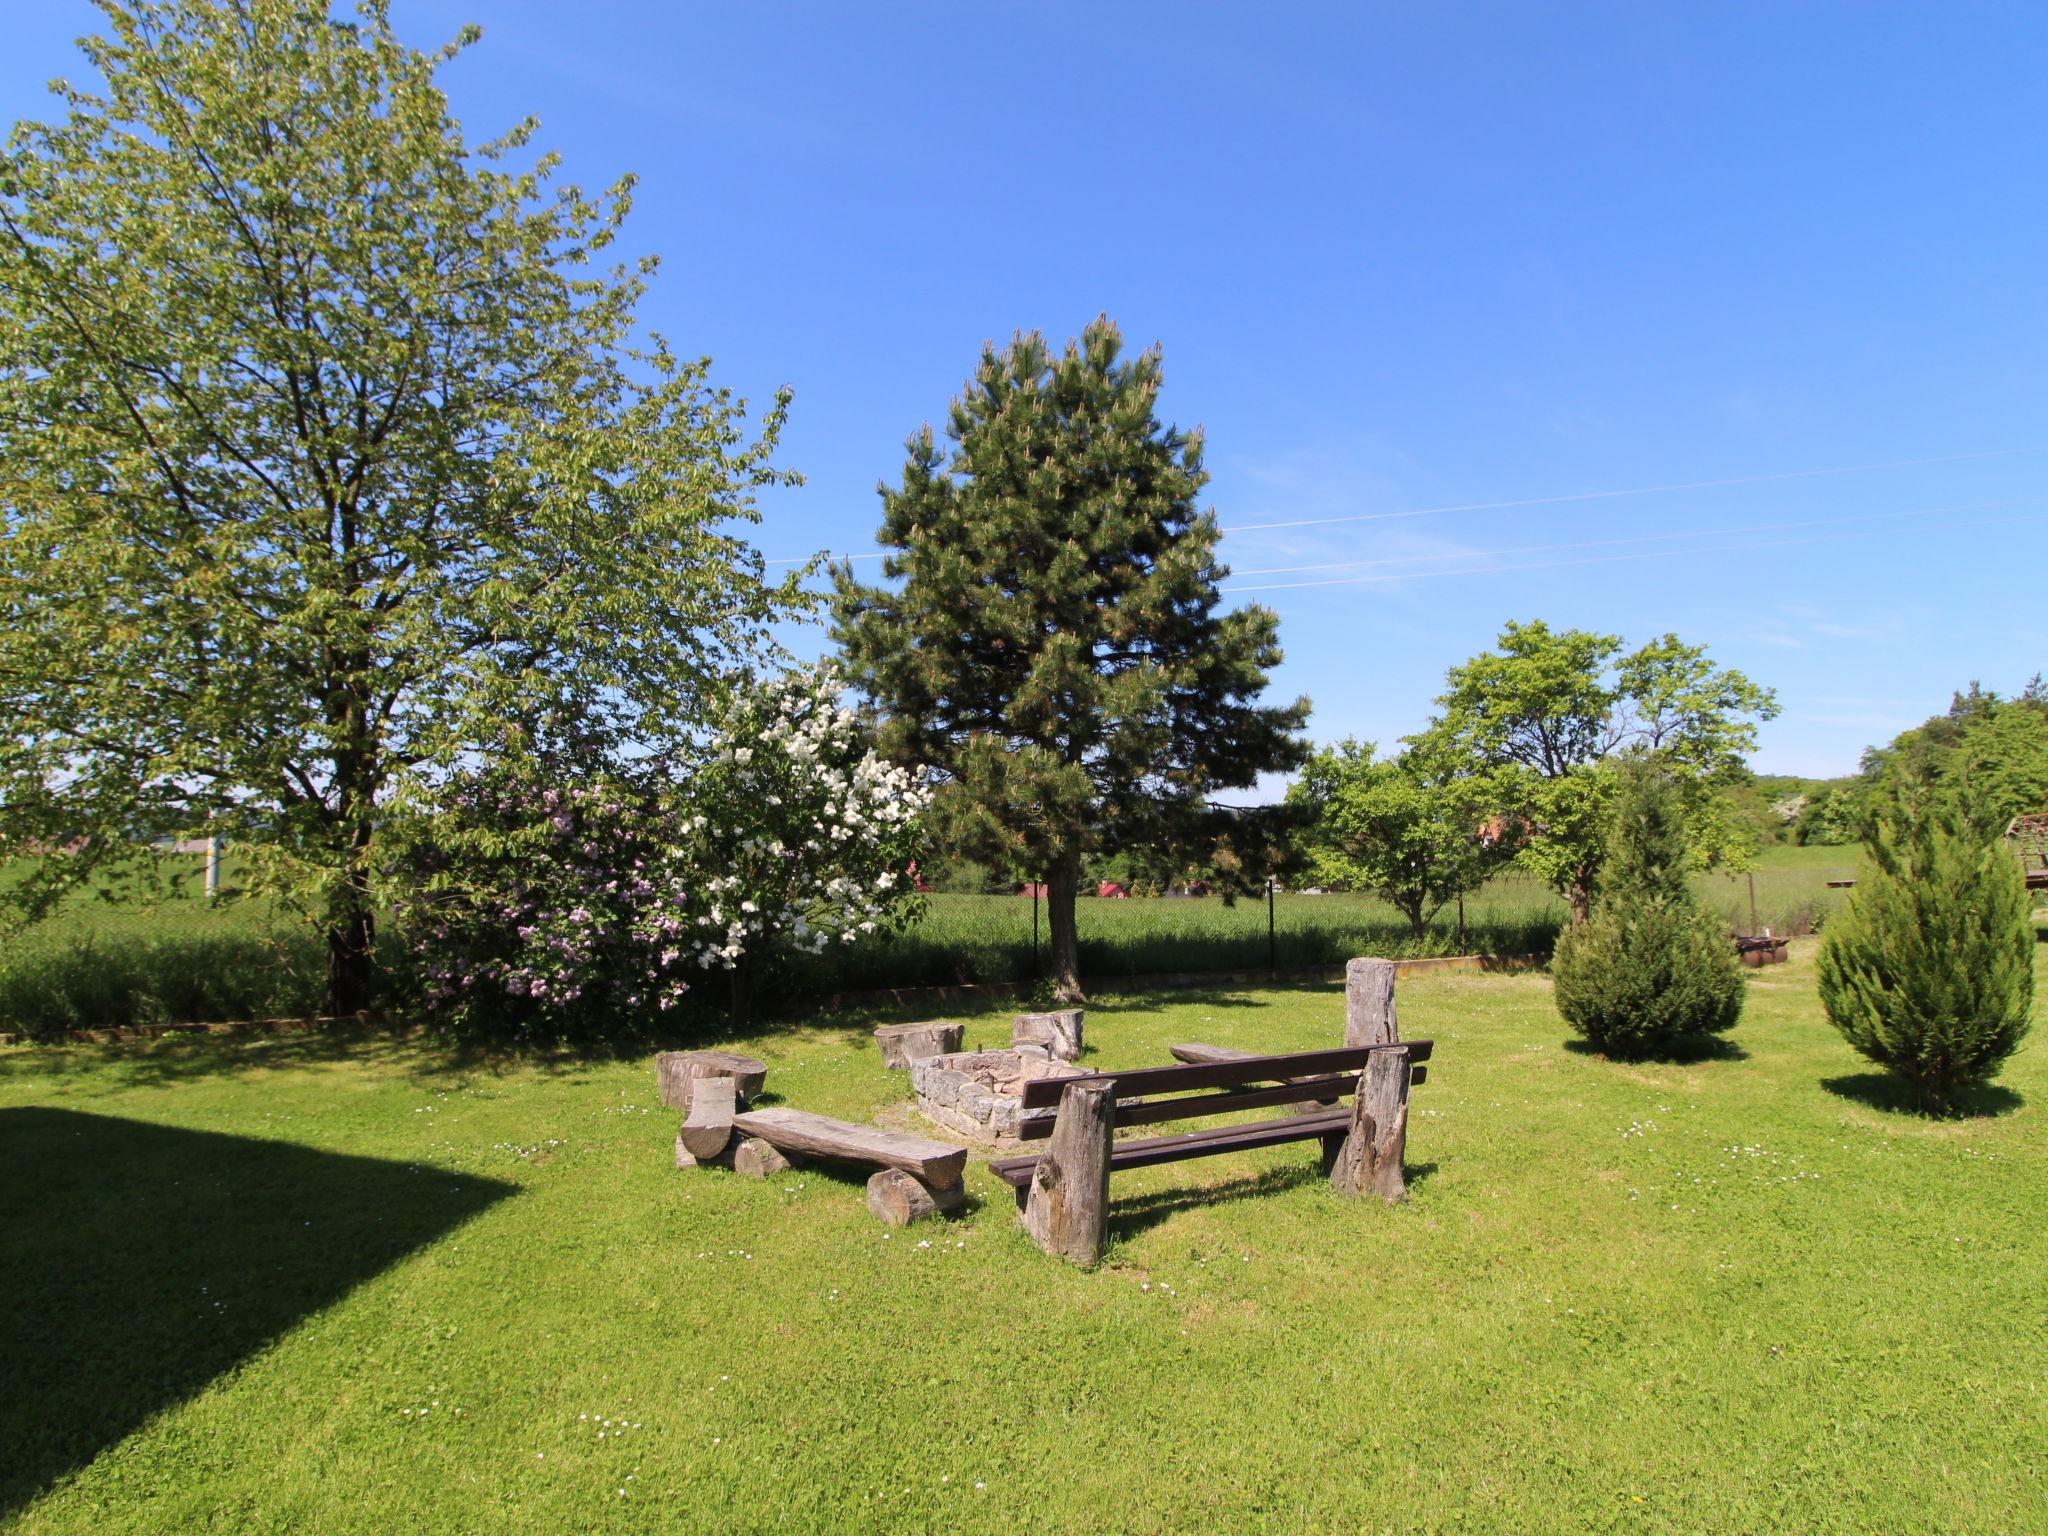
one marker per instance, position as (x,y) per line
(105,965)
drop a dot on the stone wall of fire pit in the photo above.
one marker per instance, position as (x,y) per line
(979,1094)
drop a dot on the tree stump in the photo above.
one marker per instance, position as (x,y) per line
(708,1127)
(897,1199)
(902,1044)
(1369,1002)
(1369,1162)
(674,1071)
(754,1158)
(1059,1032)
(1066,1206)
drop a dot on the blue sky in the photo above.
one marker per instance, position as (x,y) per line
(1400,258)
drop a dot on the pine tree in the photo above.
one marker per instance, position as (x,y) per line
(1049,638)
(1929,970)
(1650,969)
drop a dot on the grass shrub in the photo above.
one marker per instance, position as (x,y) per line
(1929,971)
(91,982)
(1651,970)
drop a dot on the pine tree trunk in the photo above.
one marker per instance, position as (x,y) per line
(1063,938)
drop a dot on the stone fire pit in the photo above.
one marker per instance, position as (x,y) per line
(979,1094)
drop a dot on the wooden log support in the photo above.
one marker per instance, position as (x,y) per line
(708,1127)
(897,1199)
(1059,1032)
(674,1071)
(1369,1017)
(1066,1204)
(902,1044)
(753,1158)
(685,1158)
(1369,1162)
(796,1130)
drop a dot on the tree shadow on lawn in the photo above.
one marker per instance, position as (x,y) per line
(1685,1054)
(142,1261)
(1882,1091)
(1127,1218)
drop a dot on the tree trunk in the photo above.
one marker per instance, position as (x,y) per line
(351,951)
(742,992)
(1369,1014)
(1063,938)
(1581,898)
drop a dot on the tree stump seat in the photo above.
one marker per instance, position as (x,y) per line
(1063,1193)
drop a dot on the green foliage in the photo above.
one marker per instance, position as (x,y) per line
(1409,828)
(1650,971)
(1549,711)
(1831,816)
(1050,642)
(559,898)
(330,455)
(1929,971)
(1987,749)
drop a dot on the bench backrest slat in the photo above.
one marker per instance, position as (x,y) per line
(1188,1106)
(1146,1082)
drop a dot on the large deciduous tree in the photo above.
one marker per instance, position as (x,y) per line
(1048,635)
(330,451)
(1551,710)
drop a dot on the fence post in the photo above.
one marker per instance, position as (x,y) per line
(212,868)
(1272,940)
(1034,930)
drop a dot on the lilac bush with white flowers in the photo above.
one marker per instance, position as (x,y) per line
(557,910)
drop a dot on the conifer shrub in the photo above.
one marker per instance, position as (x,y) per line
(1929,969)
(1650,971)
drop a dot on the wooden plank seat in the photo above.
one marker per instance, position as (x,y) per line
(1062,1192)
(919,1177)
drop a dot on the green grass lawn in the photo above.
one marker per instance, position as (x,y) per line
(1743,1294)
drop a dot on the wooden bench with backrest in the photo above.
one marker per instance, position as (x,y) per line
(1063,1193)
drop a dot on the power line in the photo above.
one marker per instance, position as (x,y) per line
(1645,538)
(1640,490)
(1544,565)
(1551,501)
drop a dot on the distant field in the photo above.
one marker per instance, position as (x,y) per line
(183,958)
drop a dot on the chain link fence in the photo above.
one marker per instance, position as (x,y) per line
(185,956)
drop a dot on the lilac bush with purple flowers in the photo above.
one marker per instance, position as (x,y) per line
(556,910)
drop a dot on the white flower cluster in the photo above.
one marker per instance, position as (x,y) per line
(810,831)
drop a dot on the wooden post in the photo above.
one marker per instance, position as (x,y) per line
(1272,933)
(1066,1209)
(1369,1162)
(1369,1003)
(708,1127)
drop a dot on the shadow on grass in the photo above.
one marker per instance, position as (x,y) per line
(1127,1218)
(1882,1091)
(142,1261)
(1684,1054)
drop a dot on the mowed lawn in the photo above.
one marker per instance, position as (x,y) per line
(326,1284)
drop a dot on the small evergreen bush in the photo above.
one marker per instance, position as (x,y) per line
(1929,969)
(1650,970)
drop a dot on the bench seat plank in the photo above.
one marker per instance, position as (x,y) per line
(1188,1144)
(797,1130)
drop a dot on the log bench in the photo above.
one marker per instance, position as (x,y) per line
(918,1177)
(1063,1194)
